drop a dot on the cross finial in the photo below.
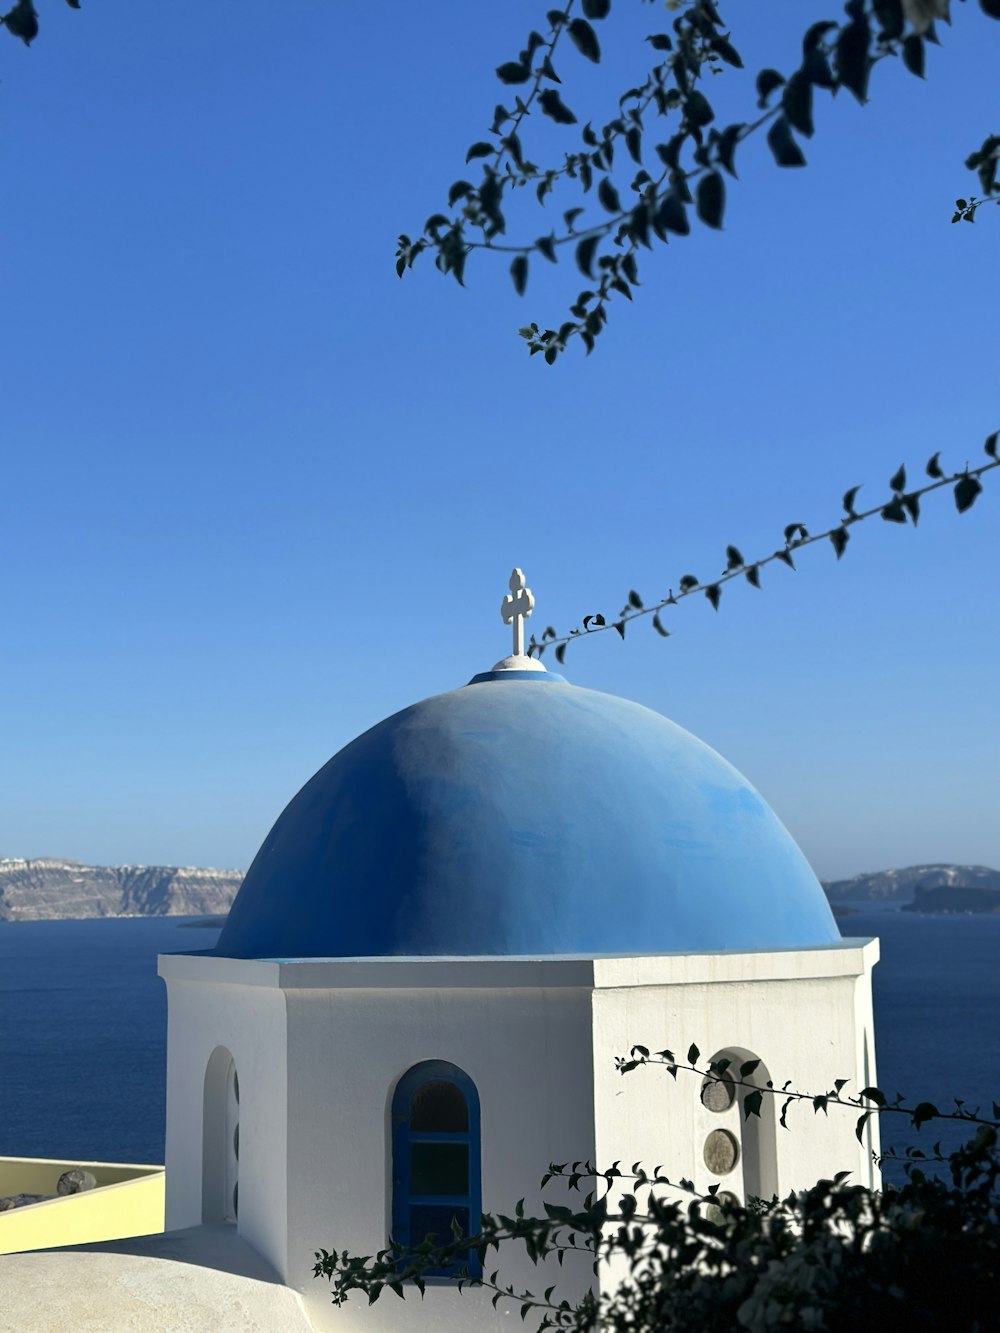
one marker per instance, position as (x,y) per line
(516,607)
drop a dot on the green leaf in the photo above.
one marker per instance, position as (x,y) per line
(898,480)
(767,81)
(890,17)
(585,255)
(597,9)
(671,215)
(796,102)
(693,1054)
(781,142)
(965,493)
(923,1112)
(725,147)
(608,196)
(748,1068)
(840,538)
(555,108)
(584,38)
(698,109)
(728,52)
(853,64)
(480,149)
(913,54)
(514,71)
(934,467)
(22,21)
(519,273)
(711,199)
(546,245)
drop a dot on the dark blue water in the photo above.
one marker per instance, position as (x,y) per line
(83,1035)
(937,1016)
(83,1027)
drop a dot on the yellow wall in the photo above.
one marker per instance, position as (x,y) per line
(128,1201)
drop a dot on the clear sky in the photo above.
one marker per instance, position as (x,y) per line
(258,493)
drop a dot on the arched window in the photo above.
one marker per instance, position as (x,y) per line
(436,1171)
(733,1139)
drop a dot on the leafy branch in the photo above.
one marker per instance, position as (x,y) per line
(831,1257)
(835,56)
(22,20)
(902,506)
(870,1101)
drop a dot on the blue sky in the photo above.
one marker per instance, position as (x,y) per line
(259,494)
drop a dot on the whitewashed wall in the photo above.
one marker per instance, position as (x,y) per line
(320,1045)
(249,1021)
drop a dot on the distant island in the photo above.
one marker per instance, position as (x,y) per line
(49,889)
(927,888)
(52,889)
(954,898)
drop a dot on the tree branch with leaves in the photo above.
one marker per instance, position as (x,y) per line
(836,1258)
(664,133)
(901,507)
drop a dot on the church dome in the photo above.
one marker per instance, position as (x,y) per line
(523,815)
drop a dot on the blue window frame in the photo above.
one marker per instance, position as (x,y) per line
(436,1167)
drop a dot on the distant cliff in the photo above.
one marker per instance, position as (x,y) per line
(48,889)
(954,898)
(902,886)
(51,889)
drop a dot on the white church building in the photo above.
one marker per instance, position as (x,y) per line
(420,992)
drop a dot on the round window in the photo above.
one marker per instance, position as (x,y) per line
(722,1152)
(718,1092)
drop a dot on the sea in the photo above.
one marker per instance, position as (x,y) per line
(83,1028)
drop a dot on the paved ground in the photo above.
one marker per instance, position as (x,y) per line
(202,1280)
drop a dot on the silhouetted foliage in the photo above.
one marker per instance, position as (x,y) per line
(835,1258)
(661,160)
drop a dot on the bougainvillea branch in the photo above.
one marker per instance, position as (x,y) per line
(686,169)
(834,1256)
(901,506)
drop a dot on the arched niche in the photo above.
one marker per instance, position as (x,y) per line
(726,1126)
(220,1155)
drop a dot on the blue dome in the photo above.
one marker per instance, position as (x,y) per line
(523,815)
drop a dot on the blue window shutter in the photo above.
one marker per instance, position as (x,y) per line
(433,1179)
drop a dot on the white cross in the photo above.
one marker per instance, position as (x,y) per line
(516,607)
